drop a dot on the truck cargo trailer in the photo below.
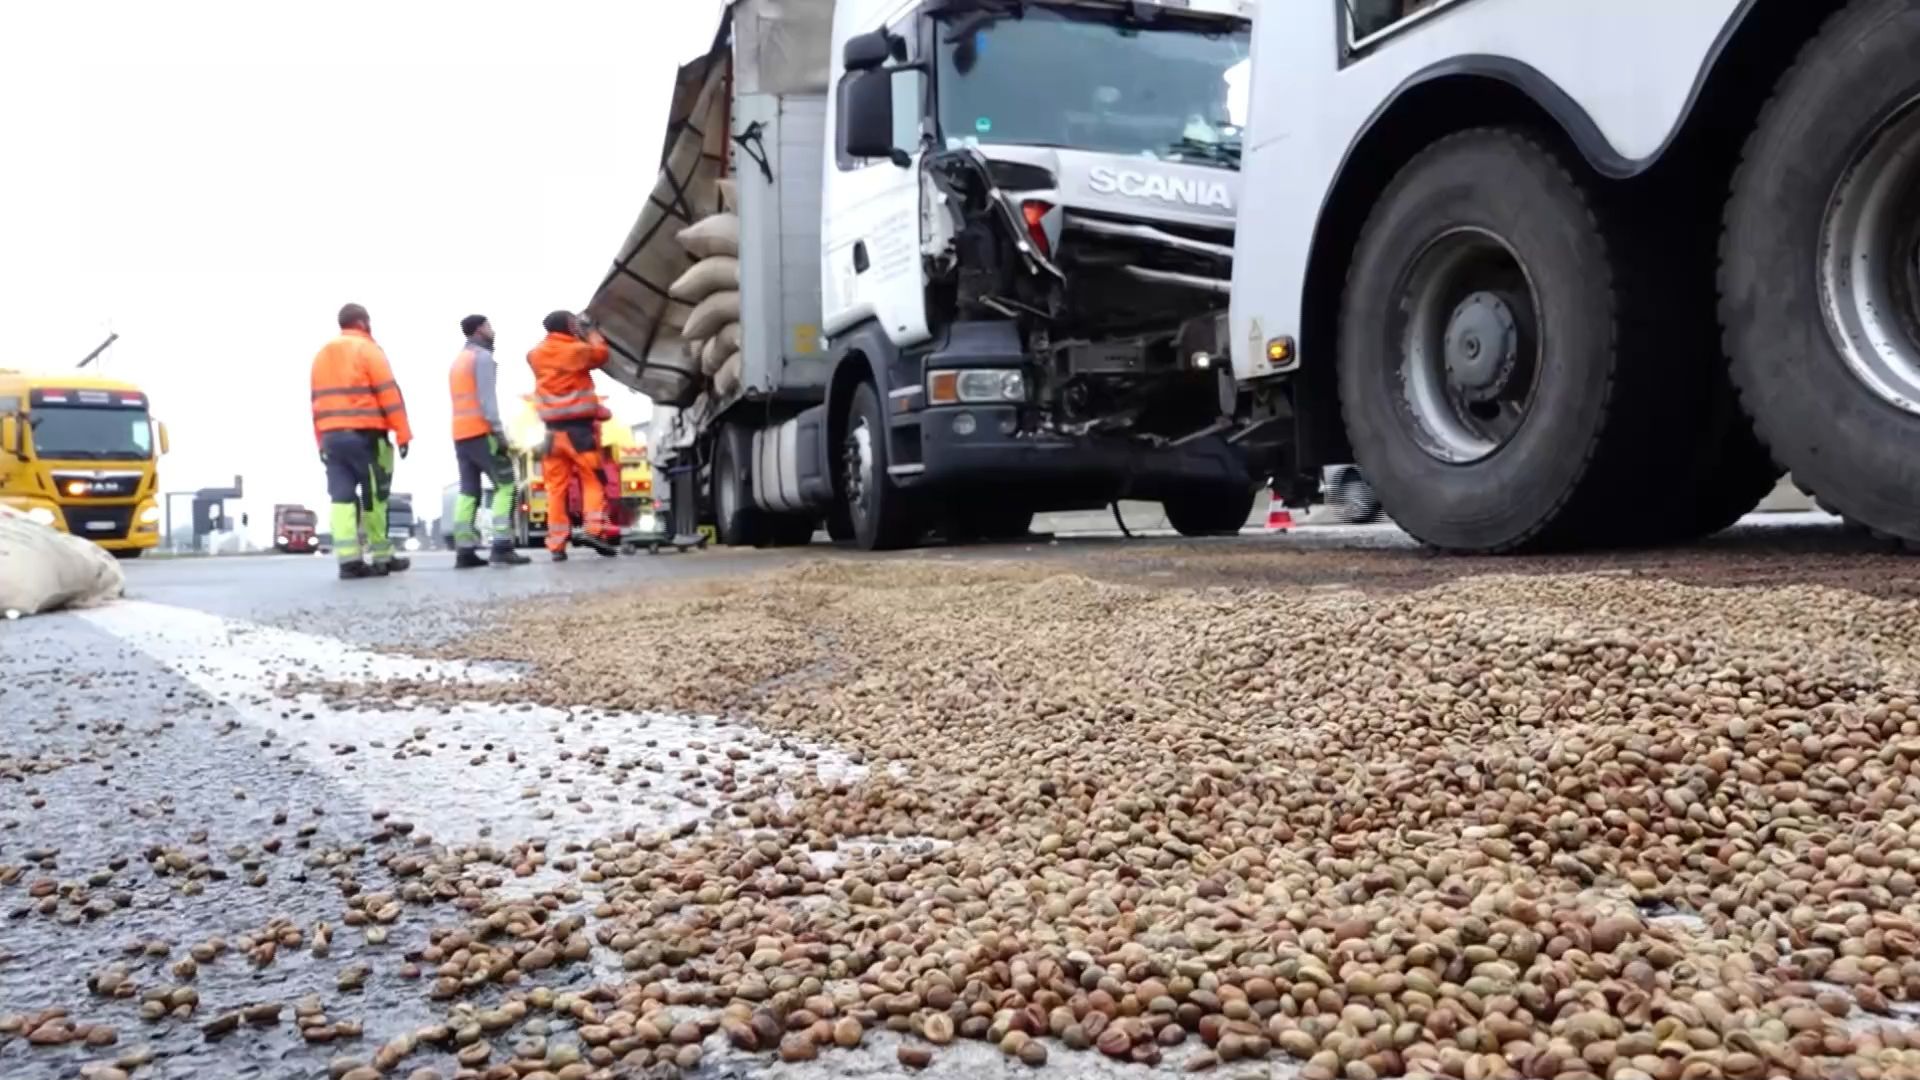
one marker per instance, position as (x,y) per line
(921,266)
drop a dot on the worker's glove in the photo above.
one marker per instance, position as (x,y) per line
(403,450)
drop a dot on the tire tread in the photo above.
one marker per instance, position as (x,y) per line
(1746,391)
(1599,475)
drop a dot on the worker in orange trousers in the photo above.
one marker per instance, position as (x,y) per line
(563,396)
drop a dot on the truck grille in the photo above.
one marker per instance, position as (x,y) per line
(1103,240)
(103,486)
(99,522)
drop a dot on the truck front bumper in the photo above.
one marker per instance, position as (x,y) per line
(980,446)
(116,526)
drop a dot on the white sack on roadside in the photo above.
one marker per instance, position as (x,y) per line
(43,569)
(710,356)
(716,235)
(727,379)
(729,195)
(713,313)
(708,276)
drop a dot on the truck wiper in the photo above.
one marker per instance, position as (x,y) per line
(1227,153)
(979,16)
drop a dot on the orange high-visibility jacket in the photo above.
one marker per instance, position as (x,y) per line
(563,367)
(472,382)
(353,389)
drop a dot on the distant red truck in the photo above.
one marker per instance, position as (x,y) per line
(294,529)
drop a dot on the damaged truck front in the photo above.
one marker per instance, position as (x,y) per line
(983,256)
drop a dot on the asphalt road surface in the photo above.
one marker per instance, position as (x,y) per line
(162,790)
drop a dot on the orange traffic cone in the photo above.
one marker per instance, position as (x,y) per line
(1279,518)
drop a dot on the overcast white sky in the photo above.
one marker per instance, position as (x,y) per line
(214,178)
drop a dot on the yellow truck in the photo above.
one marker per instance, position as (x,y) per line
(81,454)
(629,479)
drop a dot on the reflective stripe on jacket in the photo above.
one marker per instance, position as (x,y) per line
(354,390)
(563,367)
(472,384)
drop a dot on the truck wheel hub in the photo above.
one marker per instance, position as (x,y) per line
(857,468)
(1482,345)
(1870,262)
(1469,358)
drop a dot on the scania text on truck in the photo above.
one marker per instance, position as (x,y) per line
(1589,271)
(82,454)
(983,255)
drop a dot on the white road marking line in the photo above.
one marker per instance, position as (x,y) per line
(228,656)
(466,788)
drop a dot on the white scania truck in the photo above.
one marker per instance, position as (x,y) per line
(984,254)
(1576,272)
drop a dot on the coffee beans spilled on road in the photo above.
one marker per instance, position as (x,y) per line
(1546,827)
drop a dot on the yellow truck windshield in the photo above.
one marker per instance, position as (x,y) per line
(91,433)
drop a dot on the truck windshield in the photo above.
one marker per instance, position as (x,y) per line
(298,519)
(1171,89)
(81,432)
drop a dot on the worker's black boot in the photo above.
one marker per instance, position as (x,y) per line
(398,565)
(467,559)
(506,556)
(558,556)
(600,545)
(355,570)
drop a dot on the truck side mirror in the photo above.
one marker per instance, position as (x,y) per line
(864,52)
(866,114)
(166,447)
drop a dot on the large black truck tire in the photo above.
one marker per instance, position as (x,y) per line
(1712,484)
(1499,363)
(883,516)
(737,522)
(1820,269)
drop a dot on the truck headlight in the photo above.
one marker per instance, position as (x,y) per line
(979,386)
(150,515)
(413,543)
(283,540)
(40,515)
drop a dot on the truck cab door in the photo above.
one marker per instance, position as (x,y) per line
(13,440)
(871,236)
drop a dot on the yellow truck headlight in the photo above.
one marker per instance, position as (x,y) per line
(40,515)
(150,515)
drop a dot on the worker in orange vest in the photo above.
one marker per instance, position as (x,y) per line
(563,366)
(357,407)
(480,450)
